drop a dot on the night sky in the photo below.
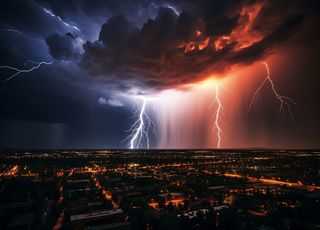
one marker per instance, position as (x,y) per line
(80,74)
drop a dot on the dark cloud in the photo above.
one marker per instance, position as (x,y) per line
(116,32)
(221,27)
(171,50)
(62,47)
(212,10)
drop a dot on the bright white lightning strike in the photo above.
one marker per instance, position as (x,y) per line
(59,18)
(284,101)
(20,71)
(140,128)
(217,116)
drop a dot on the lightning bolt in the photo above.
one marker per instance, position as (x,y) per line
(173,9)
(217,115)
(140,128)
(283,100)
(23,34)
(21,71)
(59,18)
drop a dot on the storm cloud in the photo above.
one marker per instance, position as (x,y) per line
(171,50)
(63,47)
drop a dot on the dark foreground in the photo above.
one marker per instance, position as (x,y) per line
(160,190)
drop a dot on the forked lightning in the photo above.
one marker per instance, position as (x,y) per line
(284,100)
(139,131)
(18,71)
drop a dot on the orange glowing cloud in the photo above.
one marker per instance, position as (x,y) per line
(244,34)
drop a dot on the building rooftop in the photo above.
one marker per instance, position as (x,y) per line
(94,214)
